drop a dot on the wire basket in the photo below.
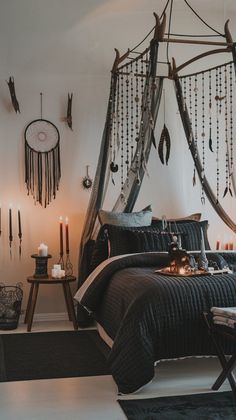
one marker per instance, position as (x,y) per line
(10,306)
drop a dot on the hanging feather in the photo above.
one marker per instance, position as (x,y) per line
(164,141)
(14,100)
(194,177)
(210,145)
(153,140)
(69,110)
(225,192)
(210,142)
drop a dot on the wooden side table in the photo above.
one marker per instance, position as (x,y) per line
(33,294)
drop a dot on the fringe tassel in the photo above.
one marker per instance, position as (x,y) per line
(42,174)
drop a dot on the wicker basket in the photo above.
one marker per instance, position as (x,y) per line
(10,306)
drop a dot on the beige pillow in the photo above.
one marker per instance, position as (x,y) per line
(195,216)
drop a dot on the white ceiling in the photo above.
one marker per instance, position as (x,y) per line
(79,36)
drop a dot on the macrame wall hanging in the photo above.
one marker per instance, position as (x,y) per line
(42,159)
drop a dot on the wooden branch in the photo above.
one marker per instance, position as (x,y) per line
(119,59)
(198,57)
(173,73)
(136,58)
(160,27)
(196,42)
(206,70)
(228,36)
(126,73)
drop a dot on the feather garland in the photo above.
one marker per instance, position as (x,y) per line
(164,142)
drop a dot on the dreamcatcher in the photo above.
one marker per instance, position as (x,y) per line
(42,159)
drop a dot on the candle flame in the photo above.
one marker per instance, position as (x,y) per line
(61,219)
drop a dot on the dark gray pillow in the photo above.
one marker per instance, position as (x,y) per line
(140,239)
(192,230)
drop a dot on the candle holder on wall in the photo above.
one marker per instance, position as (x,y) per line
(68,265)
(41,265)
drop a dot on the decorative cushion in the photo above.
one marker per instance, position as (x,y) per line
(217,261)
(140,218)
(194,216)
(192,230)
(100,249)
(128,240)
(140,239)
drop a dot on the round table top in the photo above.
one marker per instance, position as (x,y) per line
(50,280)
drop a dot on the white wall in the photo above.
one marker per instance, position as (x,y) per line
(61,46)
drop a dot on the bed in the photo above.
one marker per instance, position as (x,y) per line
(145,316)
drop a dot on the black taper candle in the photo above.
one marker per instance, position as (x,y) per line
(10,226)
(19,225)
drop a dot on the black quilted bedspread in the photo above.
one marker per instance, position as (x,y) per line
(152,317)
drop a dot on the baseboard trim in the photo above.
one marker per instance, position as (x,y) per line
(44,317)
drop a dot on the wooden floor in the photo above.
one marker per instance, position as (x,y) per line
(95,398)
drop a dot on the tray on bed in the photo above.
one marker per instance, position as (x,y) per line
(166,271)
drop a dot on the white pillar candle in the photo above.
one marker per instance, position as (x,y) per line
(57,266)
(43,250)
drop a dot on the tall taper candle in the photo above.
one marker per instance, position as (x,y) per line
(61,235)
(19,225)
(0,221)
(10,225)
(67,236)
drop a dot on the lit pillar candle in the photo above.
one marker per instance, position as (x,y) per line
(43,250)
(10,225)
(19,225)
(61,235)
(67,235)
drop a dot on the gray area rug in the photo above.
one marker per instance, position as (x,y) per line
(208,406)
(52,355)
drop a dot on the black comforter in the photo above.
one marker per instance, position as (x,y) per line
(150,316)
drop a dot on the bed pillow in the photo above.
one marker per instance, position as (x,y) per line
(100,249)
(192,230)
(139,218)
(194,216)
(140,239)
